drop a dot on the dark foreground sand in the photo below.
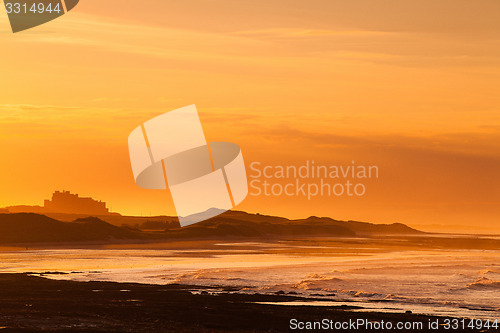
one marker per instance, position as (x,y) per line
(32,304)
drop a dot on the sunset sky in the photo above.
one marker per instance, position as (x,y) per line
(409,86)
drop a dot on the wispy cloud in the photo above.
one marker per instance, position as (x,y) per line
(305,33)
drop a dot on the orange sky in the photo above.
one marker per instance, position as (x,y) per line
(409,86)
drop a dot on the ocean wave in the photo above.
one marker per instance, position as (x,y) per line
(318,282)
(489,272)
(417,267)
(195,276)
(367,294)
(484,283)
(219,275)
(392,297)
(319,277)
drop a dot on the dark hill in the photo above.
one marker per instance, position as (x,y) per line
(226,225)
(362,228)
(311,226)
(242,224)
(30,227)
(33,228)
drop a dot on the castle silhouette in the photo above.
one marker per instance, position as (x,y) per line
(66,202)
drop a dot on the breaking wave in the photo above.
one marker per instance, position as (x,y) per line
(484,283)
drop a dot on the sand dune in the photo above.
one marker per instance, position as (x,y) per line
(33,228)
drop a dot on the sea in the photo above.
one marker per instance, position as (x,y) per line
(327,272)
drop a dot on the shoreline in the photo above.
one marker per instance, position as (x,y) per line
(32,304)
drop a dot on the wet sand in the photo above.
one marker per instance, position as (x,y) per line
(33,304)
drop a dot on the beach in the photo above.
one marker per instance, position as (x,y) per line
(29,304)
(214,285)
